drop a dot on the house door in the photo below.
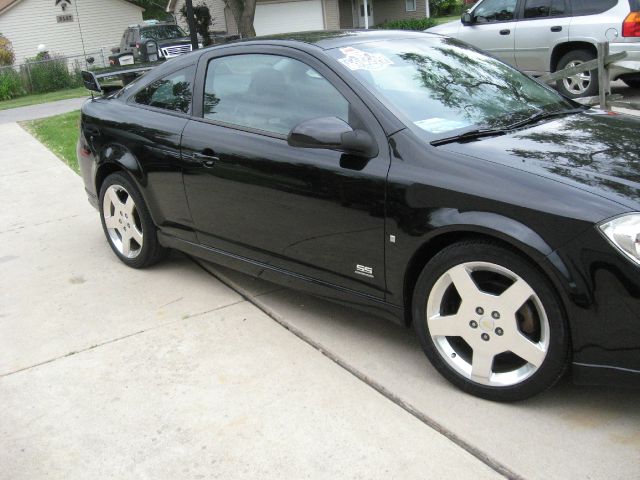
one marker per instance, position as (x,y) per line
(361,22)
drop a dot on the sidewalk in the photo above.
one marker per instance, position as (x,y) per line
(41,110)
(165,373)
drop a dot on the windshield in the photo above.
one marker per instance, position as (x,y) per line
(161,32)
(441,85)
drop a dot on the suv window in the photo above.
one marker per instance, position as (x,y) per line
(591,7)
(172,92)
(269,93)
(543,8)
(491,11)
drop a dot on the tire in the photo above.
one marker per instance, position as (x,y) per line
(633,82)
(127,224)
(468,324)
(581,85)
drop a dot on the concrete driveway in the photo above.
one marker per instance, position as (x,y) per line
(175,373)
(166,373)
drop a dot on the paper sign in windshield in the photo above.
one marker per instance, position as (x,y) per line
(358,60)
(440,125)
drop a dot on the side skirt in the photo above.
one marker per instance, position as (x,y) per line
(286,278)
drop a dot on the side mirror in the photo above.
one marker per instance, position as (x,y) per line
(334,134)
(467,18)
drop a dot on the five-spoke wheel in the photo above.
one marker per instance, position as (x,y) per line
(489,321)
(127,223)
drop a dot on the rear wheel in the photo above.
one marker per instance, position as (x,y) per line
(127,223)
(489,322)
(583,84)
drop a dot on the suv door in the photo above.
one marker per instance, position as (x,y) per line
(316,212)
(543,25)
(493,28)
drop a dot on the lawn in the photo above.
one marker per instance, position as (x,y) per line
(59,134)
(44,98)
(450,18)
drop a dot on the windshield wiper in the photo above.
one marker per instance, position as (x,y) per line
(542,114)
(488,132)
(470,135)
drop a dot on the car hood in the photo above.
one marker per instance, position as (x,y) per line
(595,151)
(174,41)
(450,28)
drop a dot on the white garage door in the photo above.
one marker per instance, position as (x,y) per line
(288,17)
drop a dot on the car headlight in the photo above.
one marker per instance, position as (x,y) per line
(624,233)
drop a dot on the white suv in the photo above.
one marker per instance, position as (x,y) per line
(541,36)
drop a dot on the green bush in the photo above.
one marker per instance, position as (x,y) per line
(10,84)
(51,75)
(7,57)
(440,8)
(408,24)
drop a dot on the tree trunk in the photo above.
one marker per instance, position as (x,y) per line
(246,19)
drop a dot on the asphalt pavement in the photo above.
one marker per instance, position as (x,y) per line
(41,110)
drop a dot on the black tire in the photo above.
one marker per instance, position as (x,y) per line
(150,252)
(633,82)
(556,360)
(580,56)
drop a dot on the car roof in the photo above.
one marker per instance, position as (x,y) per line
(327,40)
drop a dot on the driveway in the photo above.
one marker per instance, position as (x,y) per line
(181,371)
(166,373)
(41,110)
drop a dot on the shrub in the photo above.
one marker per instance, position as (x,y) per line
(50,75)
(10,84)
(440,8)
(408,24)
(7,57)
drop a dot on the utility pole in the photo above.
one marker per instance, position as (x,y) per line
(192,25)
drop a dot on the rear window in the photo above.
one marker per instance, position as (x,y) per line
(592,7)
(635,5)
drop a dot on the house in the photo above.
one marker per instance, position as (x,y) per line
(80,28)
(302,15)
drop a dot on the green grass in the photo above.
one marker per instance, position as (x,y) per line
(44,98)
(450,18)
(59,134)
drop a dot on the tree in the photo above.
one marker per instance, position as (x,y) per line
(7,57)
(203,21)
(243,12)
(153,9)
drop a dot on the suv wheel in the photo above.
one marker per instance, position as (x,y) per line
(583,84)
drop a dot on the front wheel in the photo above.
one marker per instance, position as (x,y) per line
(490,322)
(127,223)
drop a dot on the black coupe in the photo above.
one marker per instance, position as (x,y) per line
(407,174)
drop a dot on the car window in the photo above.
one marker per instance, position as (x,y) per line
(172,92)
(269,93)
(591,7)
(161,32)
(543,8)
(491,11)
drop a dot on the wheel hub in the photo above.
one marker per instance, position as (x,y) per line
(121,220)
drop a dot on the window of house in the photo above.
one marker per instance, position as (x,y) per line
(543,8)
(491,11)
(173,92)
(410,5)
(269,93)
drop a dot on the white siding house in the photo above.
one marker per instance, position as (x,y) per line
(98,24)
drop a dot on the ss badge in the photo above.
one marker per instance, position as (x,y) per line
(364,271)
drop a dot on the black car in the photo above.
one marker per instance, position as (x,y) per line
(406,174)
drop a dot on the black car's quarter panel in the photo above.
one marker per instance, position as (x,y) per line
(301,210)
(146,143)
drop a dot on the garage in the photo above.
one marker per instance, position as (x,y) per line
(288,17)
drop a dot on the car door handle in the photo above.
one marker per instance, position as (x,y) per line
(557,28)
(506,31)
(208,158)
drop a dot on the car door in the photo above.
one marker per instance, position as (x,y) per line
(493,28)
(543,25)
(315,212)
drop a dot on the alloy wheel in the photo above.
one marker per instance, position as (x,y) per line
(579,83)
(122,221)
(488,324)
